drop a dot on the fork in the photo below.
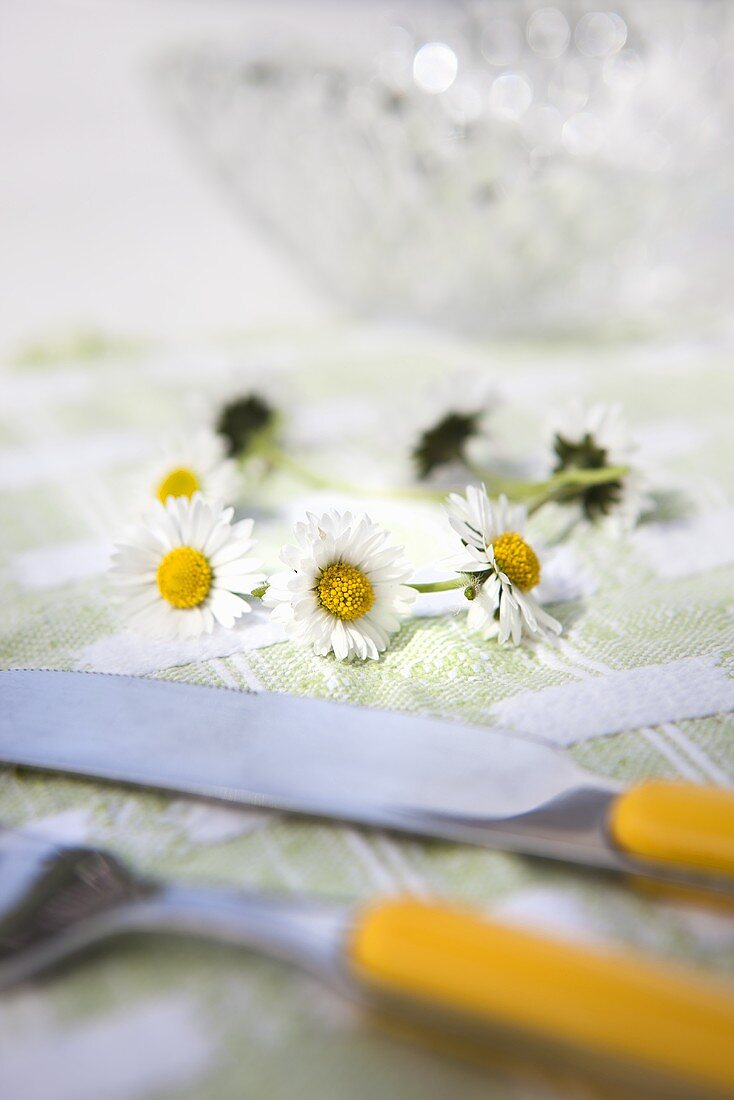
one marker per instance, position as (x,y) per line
(450,968)
(56,901)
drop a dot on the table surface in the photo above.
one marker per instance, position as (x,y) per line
(641,683)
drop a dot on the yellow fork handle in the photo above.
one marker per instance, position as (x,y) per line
(616,1006)
(677,823)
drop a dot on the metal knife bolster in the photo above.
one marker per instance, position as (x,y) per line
(573,828)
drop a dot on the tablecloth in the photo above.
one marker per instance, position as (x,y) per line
(640,684)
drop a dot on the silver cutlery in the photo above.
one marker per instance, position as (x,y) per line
(424,776)
(450,969)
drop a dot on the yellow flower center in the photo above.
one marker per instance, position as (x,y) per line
(345,591)
(516,560)
(180,482)
(184,577)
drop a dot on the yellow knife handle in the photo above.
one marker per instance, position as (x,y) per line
(677,823)
(616,1006)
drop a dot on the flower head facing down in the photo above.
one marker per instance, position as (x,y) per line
(194,465)
(242,419)
(344,591)
(449,424)
(184,567)
(445,441)
(594,438)
(503,567)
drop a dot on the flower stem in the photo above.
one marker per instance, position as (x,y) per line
(438,586)
(537,493)
(574,478)
(279,458)
(566,484)
(496,484)
(583,478)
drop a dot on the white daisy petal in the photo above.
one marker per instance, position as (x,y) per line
(174,587)
(195,463)
(344,592)
(503,567)
(232,551)
(226,607)
(340,641)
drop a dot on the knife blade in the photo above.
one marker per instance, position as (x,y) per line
(424,776)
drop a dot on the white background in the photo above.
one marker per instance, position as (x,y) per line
(107,219)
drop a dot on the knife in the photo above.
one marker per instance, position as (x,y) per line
(418,775)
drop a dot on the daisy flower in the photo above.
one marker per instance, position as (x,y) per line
(445,441)
(196,464)
(184,567)
(590,438)
(456,420)
(242,419)
(504,568)
(344,591)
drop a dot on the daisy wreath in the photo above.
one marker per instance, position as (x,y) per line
(346,588)
(252,429)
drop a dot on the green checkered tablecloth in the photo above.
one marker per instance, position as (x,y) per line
(641,684)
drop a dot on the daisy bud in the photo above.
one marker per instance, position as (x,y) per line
(242,420)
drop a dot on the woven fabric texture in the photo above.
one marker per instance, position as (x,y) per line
(641,683)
